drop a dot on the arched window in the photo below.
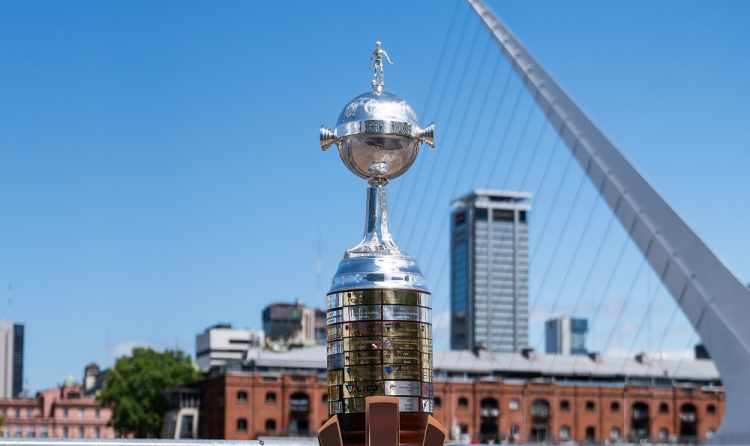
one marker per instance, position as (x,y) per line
(438,402)
(241,396)
(663,434)
(271,398)
(270,426)
(299,402)
(513,431)
(564,433)
(513,404)
(711,409)
(80,432)
(241,425)
(640,411)
(565,405)
(590,433)
(590,406)
(614,433)
(663,408)
(463,403)
(489,403)
(325,398)
(614,407)
(540,408)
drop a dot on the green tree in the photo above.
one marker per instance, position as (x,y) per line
(134,389)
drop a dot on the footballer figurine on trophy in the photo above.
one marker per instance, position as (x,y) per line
(379,316)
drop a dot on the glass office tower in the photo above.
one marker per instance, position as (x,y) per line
(490,271)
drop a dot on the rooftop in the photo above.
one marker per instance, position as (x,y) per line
(493,195)
(455,362)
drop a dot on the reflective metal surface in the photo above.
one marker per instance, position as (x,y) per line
(378,83)
(379,316)
(378,136)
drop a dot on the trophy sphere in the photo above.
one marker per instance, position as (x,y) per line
(379,136)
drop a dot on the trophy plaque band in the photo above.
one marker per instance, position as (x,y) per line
(379,344)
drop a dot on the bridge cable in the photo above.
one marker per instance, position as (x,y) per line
(450,153)
(438,113)
(430,95)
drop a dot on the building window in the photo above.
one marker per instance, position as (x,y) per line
(514,431)
(81,413)
(437,402)
(614,433)
(5,413)
(325,398)
(663,408)
(614,407)
(241,396)
(565,405)
(18,413)
(97,433)
(710,433)
(564,433)
(464,428)
(270,426)
(31,432)
(270,398)
(80,432)
(463,403)
(19,431)
(65,432)
(241,425)
(498,214)
(590,407)
(97,414)
(711,409)
(590,434)
(6,431)
(663,434)
(220,401)
(43,432)
(513,404)
(30,413)
(65,413)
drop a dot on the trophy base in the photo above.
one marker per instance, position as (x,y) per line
(387,427)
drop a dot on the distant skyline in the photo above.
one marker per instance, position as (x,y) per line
(161,169)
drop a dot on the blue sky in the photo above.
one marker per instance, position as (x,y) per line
(161,170)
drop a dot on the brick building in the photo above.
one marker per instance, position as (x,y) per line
(64,412)
(483,397)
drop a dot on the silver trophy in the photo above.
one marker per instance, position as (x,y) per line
(379,316)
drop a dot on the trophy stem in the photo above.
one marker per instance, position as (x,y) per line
(377,239)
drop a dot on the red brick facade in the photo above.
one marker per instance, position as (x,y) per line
(244,406)
(606,412)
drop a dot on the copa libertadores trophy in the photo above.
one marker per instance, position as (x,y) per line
(379,310)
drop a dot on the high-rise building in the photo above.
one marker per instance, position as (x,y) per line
(220,344)
(17,360)
(490,271)
(566,336)
(289,322)
(11,359)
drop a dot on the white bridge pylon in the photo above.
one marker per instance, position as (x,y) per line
(715,302)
